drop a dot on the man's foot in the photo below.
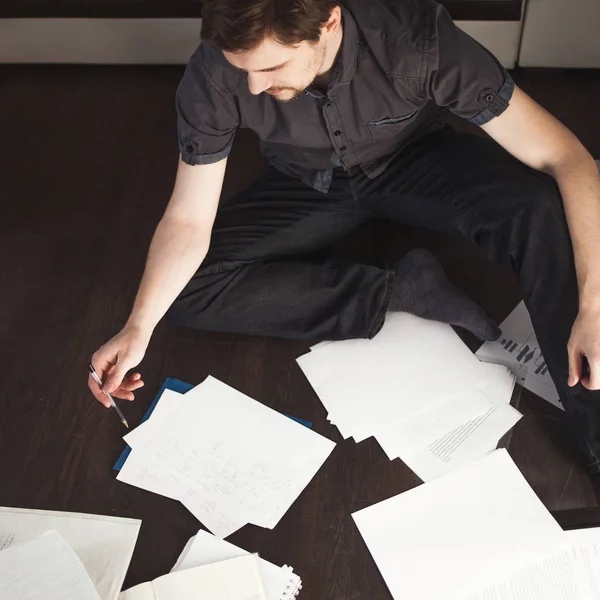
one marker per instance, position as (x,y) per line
(422,289)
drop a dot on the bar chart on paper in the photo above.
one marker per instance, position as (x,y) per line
(518,349)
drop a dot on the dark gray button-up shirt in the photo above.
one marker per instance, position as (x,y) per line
(401,65)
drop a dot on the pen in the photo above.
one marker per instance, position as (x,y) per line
(112,400)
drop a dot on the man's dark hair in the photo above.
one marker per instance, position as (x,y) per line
(238,25)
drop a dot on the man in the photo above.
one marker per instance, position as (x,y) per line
(348,102)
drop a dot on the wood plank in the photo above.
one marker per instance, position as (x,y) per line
(89,156)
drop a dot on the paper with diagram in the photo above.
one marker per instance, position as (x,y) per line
(518,347)
(228,458)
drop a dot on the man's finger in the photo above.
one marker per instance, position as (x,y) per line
(122,394)
(95,389)
(575,359)
(114,379)
(129,385)
(592,381)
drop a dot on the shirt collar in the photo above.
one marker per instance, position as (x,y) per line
(345,65)
(349,50)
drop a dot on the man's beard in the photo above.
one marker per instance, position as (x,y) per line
(318,62)
(296,93)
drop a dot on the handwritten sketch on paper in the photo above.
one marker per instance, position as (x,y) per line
(517,348)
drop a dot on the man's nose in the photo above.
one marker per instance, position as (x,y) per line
(258,82)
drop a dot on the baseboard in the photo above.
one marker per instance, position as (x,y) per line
(163,41)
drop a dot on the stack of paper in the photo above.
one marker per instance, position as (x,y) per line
(233,579)
(44,569)
(518,348)
(569,572)
(280,583)
(229,459)
(103,546)
(418,389)
(453,536)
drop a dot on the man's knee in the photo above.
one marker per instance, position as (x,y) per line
(176,315)
(541,207)
(546,195)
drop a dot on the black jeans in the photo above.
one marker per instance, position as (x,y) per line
(260,276)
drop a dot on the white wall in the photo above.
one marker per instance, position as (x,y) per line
(161,41)
(501,38)
(561,33)
(99,41)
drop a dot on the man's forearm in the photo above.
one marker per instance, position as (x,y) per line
(579,182)
(177,250)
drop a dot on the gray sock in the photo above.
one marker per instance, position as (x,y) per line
(422,289)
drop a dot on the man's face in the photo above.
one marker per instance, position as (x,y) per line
(282,71)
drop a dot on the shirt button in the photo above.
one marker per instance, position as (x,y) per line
(343,149)
(338,132)
(189,148)
(489,97)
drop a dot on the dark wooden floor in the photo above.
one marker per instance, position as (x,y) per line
(87,161)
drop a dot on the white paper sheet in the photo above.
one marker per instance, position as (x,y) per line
(410,366)
(45,568)
(469,526)
(419,431)
(103,544)
(570,572)
(279,582)
(167,405)
(457,431)
(500,383)
(221,516)
(143,471)
(518,347)
(236,454)
(464,444)
(234,579)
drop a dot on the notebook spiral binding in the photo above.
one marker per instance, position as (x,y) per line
(292,590)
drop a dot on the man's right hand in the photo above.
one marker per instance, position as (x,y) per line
(178,247)
(113,360)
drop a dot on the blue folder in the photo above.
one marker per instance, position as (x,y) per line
(182,387)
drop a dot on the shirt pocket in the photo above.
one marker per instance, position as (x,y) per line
(380,128)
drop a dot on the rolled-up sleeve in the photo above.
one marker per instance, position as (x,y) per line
(462,75)
(207,117)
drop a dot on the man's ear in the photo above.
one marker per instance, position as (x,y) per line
(334,22)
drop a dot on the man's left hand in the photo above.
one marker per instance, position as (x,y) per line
(585,344)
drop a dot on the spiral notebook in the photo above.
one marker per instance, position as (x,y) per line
(233,579)
(279,583)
